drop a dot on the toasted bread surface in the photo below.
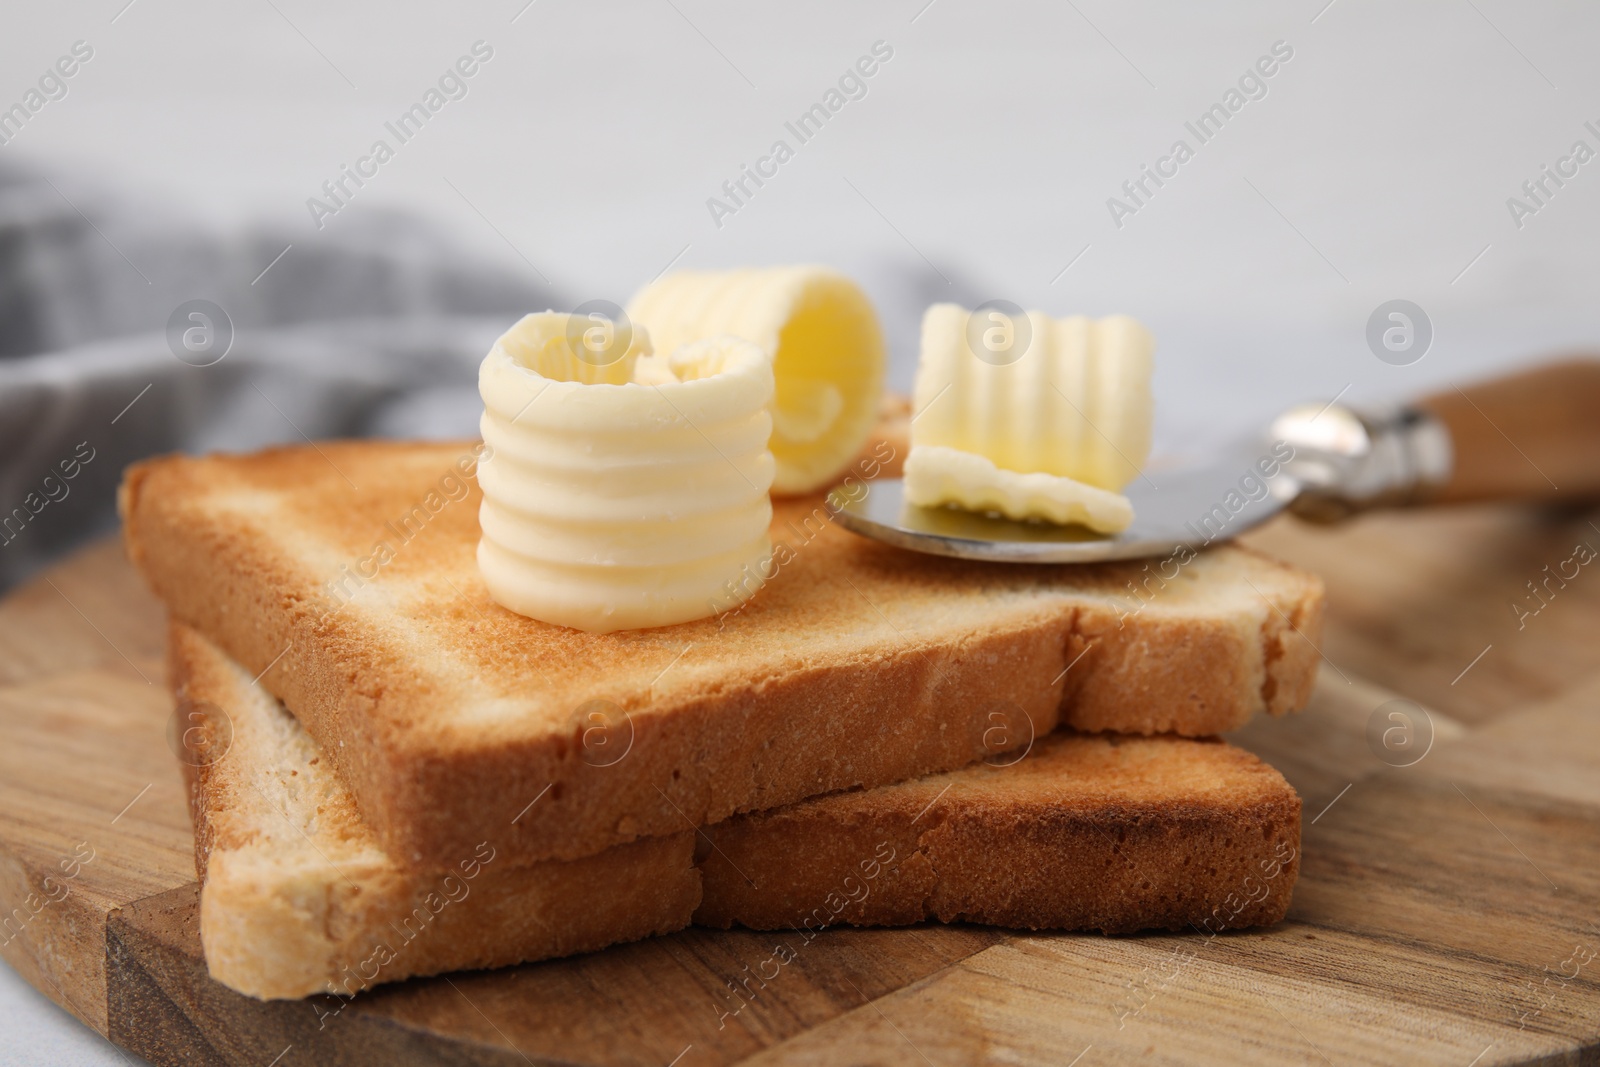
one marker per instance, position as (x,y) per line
(343,574)
(1083,832)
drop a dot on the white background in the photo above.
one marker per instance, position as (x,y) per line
(978,165)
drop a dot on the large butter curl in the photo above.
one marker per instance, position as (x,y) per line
(828,355)
(623,492)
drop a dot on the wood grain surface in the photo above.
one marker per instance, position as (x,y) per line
(1448,912)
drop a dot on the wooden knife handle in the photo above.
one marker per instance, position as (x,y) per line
(1534,435)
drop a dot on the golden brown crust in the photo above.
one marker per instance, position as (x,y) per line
(1087,832)
(857,665)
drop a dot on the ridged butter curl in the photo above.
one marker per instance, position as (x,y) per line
(1076,403)
(1029,416)
(628,495)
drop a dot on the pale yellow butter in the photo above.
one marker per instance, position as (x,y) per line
(1058,411)
(972,482)
(626,493)
(828,355)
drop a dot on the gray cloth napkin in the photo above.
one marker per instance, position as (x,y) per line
(373,329)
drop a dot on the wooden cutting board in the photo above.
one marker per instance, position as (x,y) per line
(1447,912)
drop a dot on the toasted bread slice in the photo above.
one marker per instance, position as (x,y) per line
(300,898)
(1080,832)
(344,575)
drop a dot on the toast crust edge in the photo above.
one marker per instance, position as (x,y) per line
(327,928)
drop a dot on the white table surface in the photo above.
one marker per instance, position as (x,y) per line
(977,166)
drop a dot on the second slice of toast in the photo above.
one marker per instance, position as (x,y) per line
(343,575)
(1070,832)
